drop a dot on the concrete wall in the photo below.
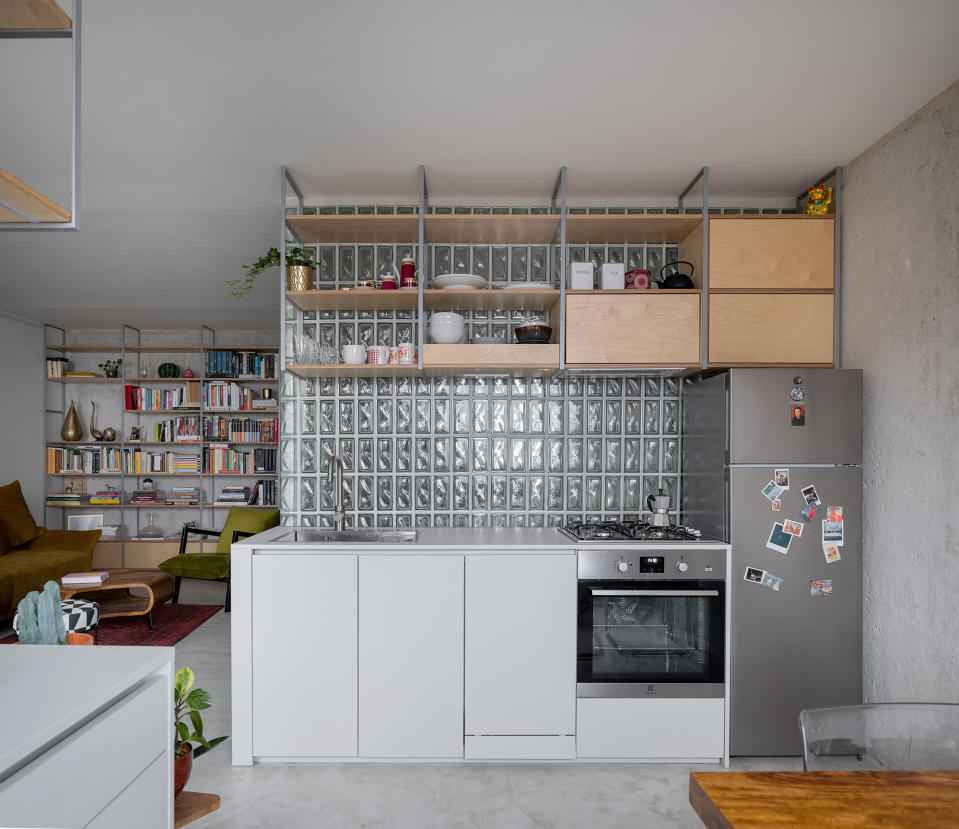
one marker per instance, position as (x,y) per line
(901,326)
(21,406)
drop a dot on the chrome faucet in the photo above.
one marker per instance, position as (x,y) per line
(338,511)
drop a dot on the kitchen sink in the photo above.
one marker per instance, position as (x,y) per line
(370,536)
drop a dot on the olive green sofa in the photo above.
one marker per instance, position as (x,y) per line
(31,555)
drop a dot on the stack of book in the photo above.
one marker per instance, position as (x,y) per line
(222,395)
(110,496)
(185,463)
(57,366)
(67,499)
(84,578)
(234,495)
(112,532)
(144,496)
(264,403)
(183,496)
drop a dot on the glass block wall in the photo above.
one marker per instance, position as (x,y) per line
(474,451)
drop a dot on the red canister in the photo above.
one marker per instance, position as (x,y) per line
(637,279)
(407,273)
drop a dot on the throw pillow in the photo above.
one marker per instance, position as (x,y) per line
(16,522)
(246,520)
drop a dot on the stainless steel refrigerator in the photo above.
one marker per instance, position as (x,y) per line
(790,649)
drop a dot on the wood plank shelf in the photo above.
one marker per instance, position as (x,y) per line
(483,228)
(85,379)
(353,300)
(389,229)
(348,370)
(523,360)
(33,14)
(516,299)
(637,228)
(33,203)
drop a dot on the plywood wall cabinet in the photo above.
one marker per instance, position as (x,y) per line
(770,329)
(632,328)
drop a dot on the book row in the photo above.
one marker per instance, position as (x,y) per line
(247,365)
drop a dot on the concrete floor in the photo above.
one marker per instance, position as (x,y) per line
(351,795)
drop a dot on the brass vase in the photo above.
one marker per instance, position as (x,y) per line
(299,278)
(71,430)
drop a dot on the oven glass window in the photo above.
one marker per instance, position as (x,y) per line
(651,632)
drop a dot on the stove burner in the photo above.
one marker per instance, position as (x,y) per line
(627,531)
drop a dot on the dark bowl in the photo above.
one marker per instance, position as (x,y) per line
(533,333)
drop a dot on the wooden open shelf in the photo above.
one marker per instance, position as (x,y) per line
(491,228)
(519,299)
(519,360)
(356,228)
(361,370)
(33,14)
(24,198)
(83,379)
(638,228)
(397,300)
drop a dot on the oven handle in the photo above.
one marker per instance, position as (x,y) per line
(676,593)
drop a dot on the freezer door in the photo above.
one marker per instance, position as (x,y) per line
(762,429)
(791,650)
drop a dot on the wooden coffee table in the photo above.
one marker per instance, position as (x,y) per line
(115,595)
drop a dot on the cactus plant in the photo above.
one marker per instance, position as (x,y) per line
(40,619)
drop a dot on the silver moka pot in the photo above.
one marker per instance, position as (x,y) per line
(658,505)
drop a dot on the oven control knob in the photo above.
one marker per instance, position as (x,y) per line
(682,566)
(622,566)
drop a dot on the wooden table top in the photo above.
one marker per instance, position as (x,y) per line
(821,799)
(129,577)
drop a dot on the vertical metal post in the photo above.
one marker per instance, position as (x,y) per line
(421,309)
(704,299)
(123,429)
(199,500)
(75,44)
(563,253)
(837,273)
(46,411)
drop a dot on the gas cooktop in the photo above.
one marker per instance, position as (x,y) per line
(624,531)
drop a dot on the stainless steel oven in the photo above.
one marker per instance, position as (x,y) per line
(651,622)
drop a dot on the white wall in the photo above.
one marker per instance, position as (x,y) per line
(21,408)
(901,326)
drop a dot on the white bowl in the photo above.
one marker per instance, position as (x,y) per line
(447,327)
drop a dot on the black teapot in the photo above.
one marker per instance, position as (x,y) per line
(677,279)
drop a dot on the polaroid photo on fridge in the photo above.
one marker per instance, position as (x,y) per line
(810,494)
(834,514)
(753,574)
(820,587)
(831,552)
(772,491)
(832,532)
(810,512)
(781,477)
(777,505)
(772,582)
(779,539)
(793,527)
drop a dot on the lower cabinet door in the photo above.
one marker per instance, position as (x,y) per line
(304,655)
(411,656)
(521,645)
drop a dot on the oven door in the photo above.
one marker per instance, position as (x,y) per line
(651,638)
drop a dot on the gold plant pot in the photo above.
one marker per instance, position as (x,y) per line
(299,278)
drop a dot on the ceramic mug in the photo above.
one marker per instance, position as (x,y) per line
(377,355)
(354,354)
(406,353)
(637,279)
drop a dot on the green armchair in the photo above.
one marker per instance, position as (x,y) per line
(215,566)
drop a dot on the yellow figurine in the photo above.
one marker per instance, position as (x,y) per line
(818,200)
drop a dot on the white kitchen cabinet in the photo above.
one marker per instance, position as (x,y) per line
(411,656)
(520,655)
(304,655)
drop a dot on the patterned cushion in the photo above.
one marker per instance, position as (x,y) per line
(79,615)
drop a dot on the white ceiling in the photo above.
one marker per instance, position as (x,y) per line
(189,110)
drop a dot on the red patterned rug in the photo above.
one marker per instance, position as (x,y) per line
(171,623)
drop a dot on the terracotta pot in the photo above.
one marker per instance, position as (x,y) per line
(79,638)
(182,766)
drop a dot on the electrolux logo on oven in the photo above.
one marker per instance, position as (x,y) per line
(650,690)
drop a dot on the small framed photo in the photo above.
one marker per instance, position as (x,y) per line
(85,522)
(136,434)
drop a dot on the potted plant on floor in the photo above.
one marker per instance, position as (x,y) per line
(299,271)
(188,702)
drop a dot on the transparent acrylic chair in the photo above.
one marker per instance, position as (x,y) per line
(892,735)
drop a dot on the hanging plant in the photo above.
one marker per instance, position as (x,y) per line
(294,257)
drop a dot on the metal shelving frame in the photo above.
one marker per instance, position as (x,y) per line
(74,34)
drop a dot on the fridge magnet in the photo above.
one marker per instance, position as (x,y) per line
(820,587)
(781,477)
(793,527)
(831,552)
(779,539)
(834,514)
(772,582)
(771,491)
(810,494)
(777,505)
(810,512)
(832,532)
(797,415)
(753,574)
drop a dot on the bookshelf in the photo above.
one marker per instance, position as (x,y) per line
(194,436)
